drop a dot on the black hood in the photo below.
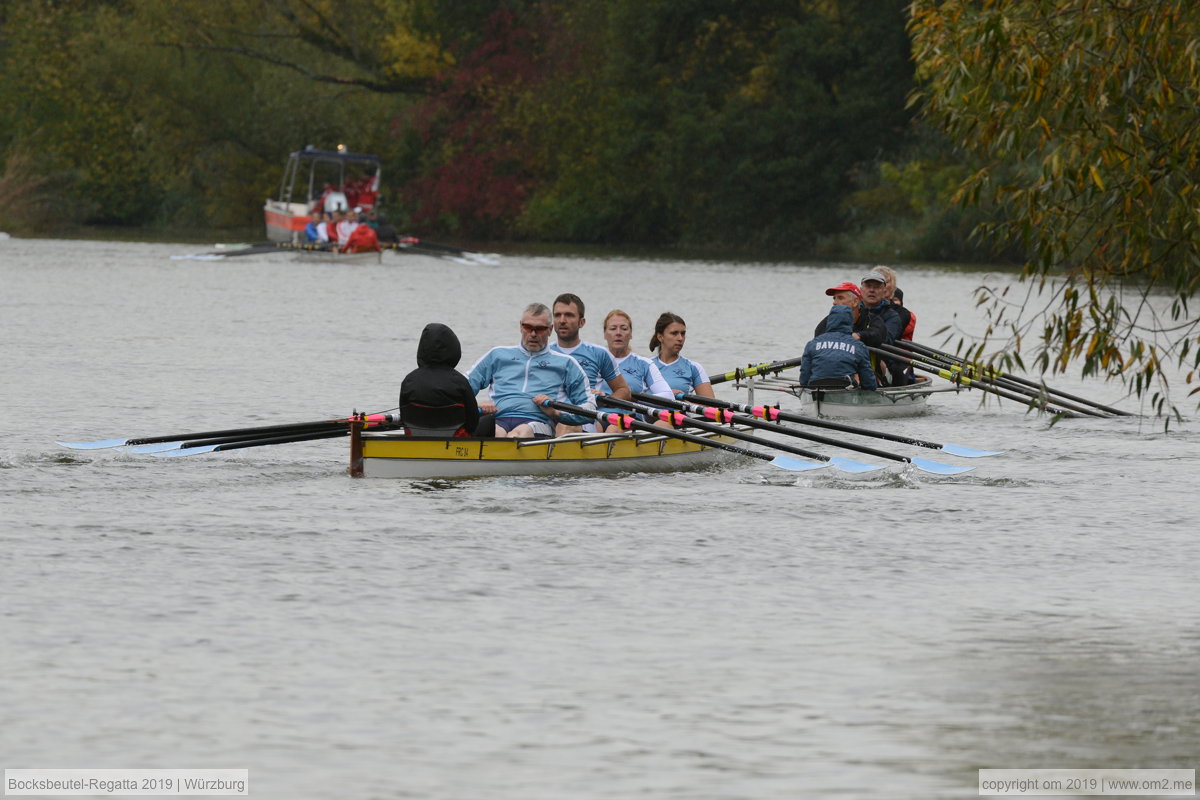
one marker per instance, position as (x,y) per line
(439,347)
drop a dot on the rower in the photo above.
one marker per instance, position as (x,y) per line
(435,398)
(683,375)
(524,377)
(640,373)
(313,232)
(596,362)
(876,298)
(362,239)
(908,320)
(837,359)
(877,322)
(908,323)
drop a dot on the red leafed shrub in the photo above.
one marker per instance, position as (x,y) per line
(474,177)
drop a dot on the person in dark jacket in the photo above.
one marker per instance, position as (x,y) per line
(877,322)
(876,291)
(435,398)
(837,355)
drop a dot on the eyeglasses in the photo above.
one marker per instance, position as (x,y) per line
(525,326)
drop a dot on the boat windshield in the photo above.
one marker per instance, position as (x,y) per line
(312,174)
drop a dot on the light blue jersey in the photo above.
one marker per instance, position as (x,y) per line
(517,375)
(641,375)
(596,361)
(683,374)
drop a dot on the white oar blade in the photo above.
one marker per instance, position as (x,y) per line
(847,465)
(938,468)
(188,451)
(152,448)
(795,464)
(967,452)
(101,445)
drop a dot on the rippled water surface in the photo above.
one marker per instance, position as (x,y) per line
(738,633)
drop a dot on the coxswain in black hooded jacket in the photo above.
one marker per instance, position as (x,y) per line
(436,395)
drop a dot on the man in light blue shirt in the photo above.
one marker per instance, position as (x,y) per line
(522,378)
(596,361)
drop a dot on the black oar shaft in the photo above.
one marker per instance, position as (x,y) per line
(963,380)
(299,437)
(786,416)
(638,425)
(240,437)
(754,423)
(986,382)
(711,427)
(1018,379)
(261,430)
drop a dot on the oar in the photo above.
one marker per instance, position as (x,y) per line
(249,250)
(184,444)
(773,413)
(212,448)
(675,418)
(960,379)
(627,422)
(935,467)
(421,245)
(987,377)
(412,242)
(756,369)
(1016,379)
(983,379)
(265,430)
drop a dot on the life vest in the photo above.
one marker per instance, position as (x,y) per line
(361,240)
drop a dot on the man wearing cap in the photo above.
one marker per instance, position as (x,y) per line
(876,304)
(877,322)
(845,294)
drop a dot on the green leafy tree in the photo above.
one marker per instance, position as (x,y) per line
(147,111)
(1083,114)
(714,121)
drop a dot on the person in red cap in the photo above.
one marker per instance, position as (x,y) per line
(875,321)
(845,294)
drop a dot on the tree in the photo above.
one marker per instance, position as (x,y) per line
(728,122)
(138,112)
(1083,114)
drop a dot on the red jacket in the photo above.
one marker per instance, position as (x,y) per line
(362,240)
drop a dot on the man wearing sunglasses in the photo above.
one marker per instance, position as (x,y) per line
(523,377)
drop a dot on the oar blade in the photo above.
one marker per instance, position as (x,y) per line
(100,445)
(795,464)
(968,452)
(938,468)
(152,448)
(856,467)
(186,451)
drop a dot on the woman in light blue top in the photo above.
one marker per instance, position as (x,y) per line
(639,372)
(684,375)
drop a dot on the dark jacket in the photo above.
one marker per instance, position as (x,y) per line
(875,326)
(836,353)
(878,326)
(436,395)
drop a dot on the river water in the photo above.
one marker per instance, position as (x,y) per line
(738,633)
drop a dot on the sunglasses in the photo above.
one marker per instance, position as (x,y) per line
(525,326)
